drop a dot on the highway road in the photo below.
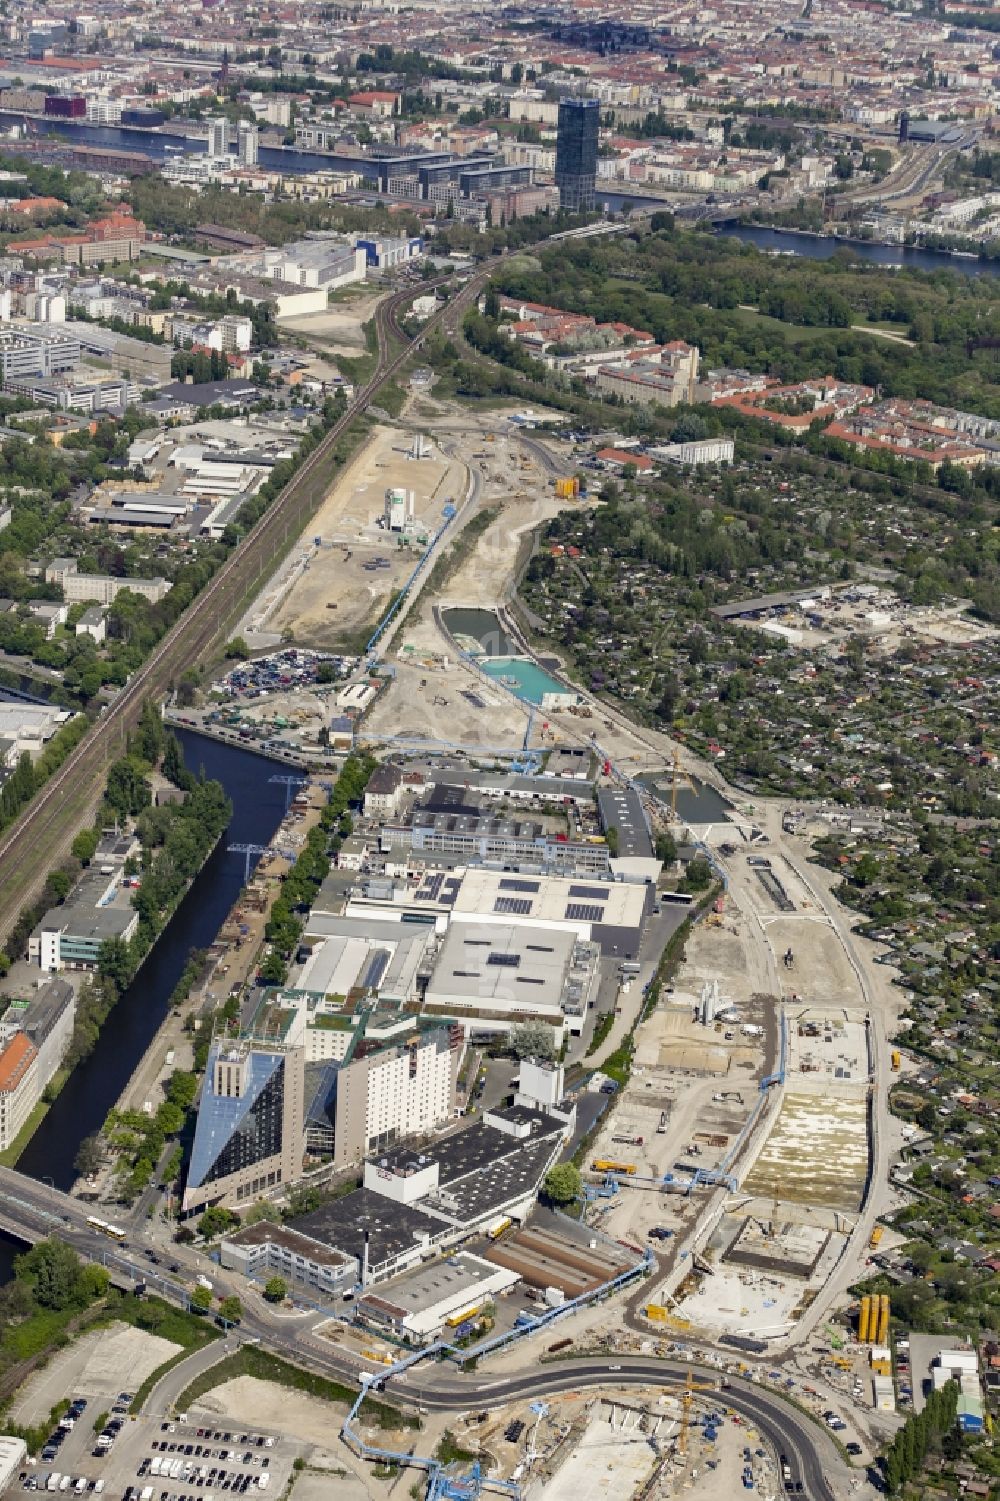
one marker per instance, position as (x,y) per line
(37,1209)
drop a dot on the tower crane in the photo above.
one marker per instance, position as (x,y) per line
(687,1403)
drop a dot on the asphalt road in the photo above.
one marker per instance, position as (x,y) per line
(811,1454)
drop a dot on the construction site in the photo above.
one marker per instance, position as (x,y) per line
(384,512)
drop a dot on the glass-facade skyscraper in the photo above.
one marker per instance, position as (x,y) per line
(576,154)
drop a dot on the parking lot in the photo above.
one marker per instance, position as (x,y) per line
(146,1459)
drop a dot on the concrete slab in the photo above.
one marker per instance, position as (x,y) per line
(98,1366)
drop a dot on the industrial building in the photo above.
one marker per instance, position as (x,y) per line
(420,1306)
(503,972)
(97,910)
(413,1204)
(542,1258)
(269,1250)
(37,350)
(451,820)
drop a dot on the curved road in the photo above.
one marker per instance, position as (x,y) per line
(33,1207)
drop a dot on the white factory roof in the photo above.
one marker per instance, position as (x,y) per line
(579,903)
(501,968)
(426,1298)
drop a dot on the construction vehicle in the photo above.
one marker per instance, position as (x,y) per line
(627,1141)
(896,1060)
(875,1237)
(604,1165)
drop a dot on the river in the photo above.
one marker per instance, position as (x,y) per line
(822,247)
(93,1087)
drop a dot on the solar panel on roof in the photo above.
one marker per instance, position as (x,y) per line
(508,883)
(598,893)
(583,912)
(506,961)
(512,906)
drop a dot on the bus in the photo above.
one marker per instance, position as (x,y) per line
(115,1232)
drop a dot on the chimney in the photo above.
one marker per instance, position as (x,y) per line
(364,1263)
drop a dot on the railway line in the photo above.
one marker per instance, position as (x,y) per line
(30,847)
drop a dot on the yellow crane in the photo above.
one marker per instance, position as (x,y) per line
(687,1402)
(679,775)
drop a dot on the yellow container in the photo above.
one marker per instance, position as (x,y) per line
(883,1322)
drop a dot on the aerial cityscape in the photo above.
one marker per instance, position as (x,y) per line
(500,751)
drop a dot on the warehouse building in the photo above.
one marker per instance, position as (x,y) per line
(543,1258)
(425,1305)
(506,973)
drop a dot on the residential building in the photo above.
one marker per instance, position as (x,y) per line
(101,588)
(19,1090)
(385,1093)
(576,154)
(247,143)
(218,137)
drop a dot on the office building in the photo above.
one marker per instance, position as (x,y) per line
(39,350)
(249,1134)
(247,144)
(218,137)
(97,910)
(576,154)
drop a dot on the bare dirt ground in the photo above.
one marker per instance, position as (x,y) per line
(337,329)
(333,596)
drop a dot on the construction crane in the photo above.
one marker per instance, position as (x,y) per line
(687,1403)
(679,775)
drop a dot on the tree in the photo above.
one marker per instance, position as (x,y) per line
(665,848)
(53,1270)
(201,1299)
(562,1183)
(85,844)
(231,1310)
(89,1156)
(698,874)
(275,1289)
(532,1039)
(216,1221)
(238,648)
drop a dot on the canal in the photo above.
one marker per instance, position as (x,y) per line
(93,1087)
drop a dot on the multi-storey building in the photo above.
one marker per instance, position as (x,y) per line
(249,1136)
(18,1088)
(576,154)
(386,1092)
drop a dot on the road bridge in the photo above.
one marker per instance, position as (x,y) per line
(32,1210)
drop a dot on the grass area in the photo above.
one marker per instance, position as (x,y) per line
(449,1450)
(792,333)
(357,368)
(602,1027)
(251,1361)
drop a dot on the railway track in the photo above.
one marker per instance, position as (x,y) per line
(39,838)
